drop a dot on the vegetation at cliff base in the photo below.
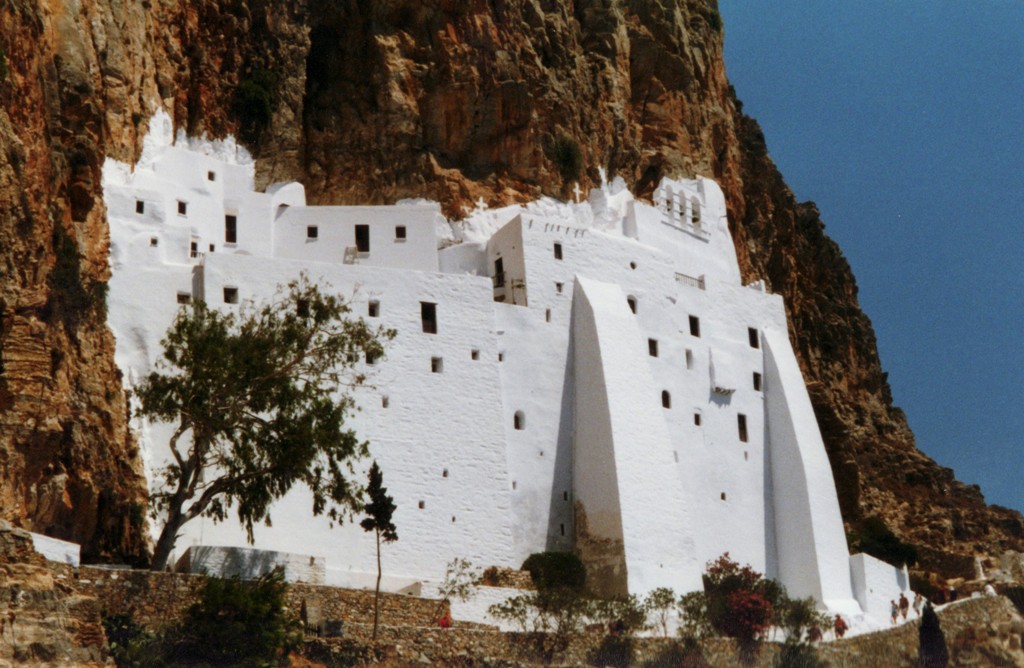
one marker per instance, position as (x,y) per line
(255,98)
(568,158)
(259,398)
(232,623)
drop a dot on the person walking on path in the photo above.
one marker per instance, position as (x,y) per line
(918,602)
(904,605)
(894,610)
(840,626)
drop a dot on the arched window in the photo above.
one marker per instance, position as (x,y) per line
(666,399)
(519,421)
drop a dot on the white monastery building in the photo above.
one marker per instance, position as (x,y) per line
(590,377)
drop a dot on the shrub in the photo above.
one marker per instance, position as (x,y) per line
(131,646)
(658,604)
(255,98)
(568,158)
(237,623)
(552,570)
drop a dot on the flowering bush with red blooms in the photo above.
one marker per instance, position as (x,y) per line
(750,615)
(740,602)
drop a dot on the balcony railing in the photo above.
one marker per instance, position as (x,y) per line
(693,282)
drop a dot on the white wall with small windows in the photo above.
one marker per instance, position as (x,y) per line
(552,362)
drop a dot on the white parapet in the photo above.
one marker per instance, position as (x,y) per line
(55,549)
(249,564)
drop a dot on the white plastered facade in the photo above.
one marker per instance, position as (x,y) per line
(599,380)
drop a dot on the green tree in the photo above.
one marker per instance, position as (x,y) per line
(237,623)
(378,520)
(659,603)
(260,400)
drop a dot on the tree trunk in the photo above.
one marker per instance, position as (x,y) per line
(168,537)
(376,596)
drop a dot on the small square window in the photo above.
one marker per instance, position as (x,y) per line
(436,365)
(753,337)
(444,473)
(184,298)
(154,242)
(230,295)
(211,176)
(385,401)
(558,288)
(422,505)
(399,232)
(558,251)
(757,382)
(694,325)
(501,357)
(312,232)
(474,354)
(182,208)
(373,309)
(212,248)
(652,347)
(741,423)
(140,206)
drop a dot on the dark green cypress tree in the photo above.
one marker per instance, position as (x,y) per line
(933,652)
(378,519)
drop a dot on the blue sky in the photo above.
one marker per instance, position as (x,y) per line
(904,121)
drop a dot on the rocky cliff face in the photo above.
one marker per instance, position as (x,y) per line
(372,101)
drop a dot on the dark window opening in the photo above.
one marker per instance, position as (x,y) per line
(154,242)
(193,249)
(436,365)
(519,421)
(689,359)
(184,298)
(385,402)
(211,176)
(696,419)
(230,295)
(652,347)
(558,251)
(400,232)
(182,208)
(422,504)
(757,382)
(428,315)
(694,325)
(140,206)
(753,337)
(363,238)
(558,288)
(561,527)
(723,496)
(230,229)
(499,273)
(373,309)
(741,422)
(565,496)
(666,399)
(547,315)
(632,265)
(632,304)
(372,357)
(444,473)
(312,232)
(212,247)
(501,357)
(474,355)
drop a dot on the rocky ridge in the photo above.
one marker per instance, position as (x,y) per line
(369,102)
